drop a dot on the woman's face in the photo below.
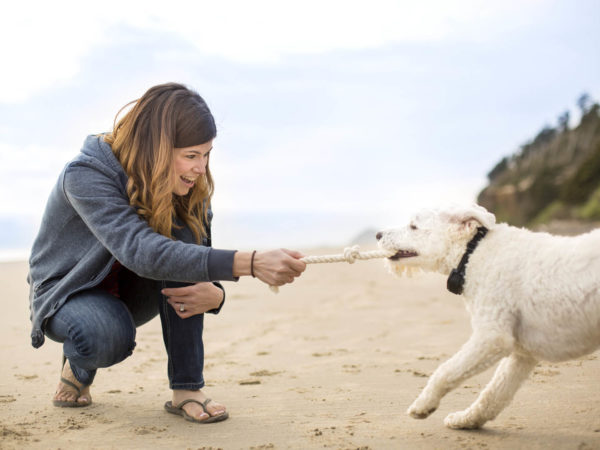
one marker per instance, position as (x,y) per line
(189,164)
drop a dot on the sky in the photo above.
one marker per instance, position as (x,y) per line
(333,116)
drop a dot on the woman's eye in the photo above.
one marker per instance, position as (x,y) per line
(190,156)
(413,227)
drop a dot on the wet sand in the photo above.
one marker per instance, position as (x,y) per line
(332,361)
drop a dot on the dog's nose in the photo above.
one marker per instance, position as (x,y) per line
(379,235)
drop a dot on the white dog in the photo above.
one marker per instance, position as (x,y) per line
(531,296)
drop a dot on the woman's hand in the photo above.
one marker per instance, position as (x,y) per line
(196,298)
(274,267)
(278,267)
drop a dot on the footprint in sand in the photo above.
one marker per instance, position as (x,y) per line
(264,373)
(351,368)
(8,434)
(414,372)
(72,424)
(259,373)
(541,373)
(249,382)
(546,372)
(25,377)
(148,430)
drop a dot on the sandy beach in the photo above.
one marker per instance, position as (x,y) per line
(332,361)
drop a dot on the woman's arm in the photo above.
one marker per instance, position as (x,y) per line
(100,202)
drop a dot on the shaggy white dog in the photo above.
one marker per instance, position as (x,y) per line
(531,296)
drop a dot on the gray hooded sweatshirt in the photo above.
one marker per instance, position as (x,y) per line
(88,223)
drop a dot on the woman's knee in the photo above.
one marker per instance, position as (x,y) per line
(99,345)
(100,331)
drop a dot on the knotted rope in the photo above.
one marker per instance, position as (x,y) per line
(350,255)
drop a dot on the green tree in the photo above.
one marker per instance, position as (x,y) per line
(563,121)
(584,181)
(583,102)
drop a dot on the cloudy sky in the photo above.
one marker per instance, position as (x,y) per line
(333,116)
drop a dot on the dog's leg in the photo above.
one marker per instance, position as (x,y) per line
(482,350)
(499,392)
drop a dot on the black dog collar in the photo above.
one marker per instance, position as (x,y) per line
(456,279)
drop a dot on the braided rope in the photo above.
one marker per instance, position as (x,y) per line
(350,255)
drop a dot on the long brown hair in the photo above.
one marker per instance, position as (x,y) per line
(166,117)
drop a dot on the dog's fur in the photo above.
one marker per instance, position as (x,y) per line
(531,297)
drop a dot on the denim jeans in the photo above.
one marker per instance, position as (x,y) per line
(98,330)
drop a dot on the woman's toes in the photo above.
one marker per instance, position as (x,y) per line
(85,396)
(215,410)
(196,412)
(67,394)
(64,396)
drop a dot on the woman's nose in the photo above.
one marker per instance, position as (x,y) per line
(200,169)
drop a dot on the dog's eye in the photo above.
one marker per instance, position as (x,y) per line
(413,227)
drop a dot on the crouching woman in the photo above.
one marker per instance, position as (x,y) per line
(126,236)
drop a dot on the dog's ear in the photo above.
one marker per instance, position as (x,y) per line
(471,224)
(471,217)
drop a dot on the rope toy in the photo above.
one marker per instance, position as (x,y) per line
(350,255)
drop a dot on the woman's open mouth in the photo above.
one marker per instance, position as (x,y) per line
(189,182)
(403,254)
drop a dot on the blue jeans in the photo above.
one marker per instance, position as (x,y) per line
(98,330)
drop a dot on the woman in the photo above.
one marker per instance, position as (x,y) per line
(126,236)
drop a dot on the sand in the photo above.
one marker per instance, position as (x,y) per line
(332,361)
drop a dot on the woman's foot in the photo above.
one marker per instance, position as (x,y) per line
(67,395)
(194,409)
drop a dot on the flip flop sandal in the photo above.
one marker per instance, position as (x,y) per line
(70,403)
(181,412)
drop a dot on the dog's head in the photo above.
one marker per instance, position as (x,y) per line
(434,239)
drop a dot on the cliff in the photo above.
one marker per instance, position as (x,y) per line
(554,177)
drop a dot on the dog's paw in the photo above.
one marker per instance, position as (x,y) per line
(463,420)
(421,408)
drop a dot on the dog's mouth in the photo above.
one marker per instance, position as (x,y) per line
(403,254)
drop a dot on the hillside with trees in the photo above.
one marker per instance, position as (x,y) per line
(554,177)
